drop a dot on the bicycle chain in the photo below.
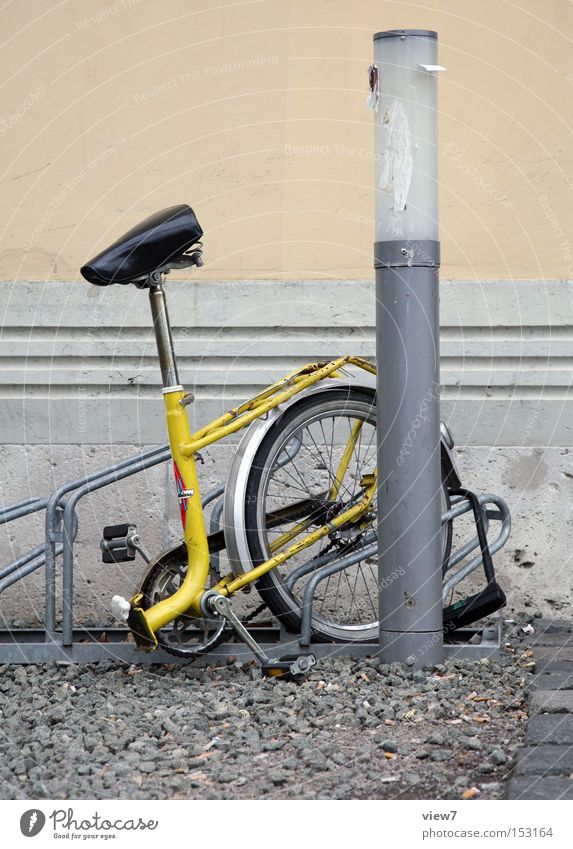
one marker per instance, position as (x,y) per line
(254,613)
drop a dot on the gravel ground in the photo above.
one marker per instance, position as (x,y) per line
(354,729)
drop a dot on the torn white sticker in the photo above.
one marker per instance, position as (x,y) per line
(397,162)
(374,87)
(432,69)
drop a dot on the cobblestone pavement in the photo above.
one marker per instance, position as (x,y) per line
(544,766)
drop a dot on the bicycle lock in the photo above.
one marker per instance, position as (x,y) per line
(403,97)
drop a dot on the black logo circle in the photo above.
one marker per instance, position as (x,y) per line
(32,822)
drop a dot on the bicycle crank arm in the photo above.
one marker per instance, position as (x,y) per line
(216,603)
(293,668)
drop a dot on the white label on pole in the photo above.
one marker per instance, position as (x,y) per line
(432,69)
(397,163)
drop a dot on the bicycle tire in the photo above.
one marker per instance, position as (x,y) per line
(283,603)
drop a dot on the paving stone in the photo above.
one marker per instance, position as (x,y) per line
(553,681)
(553,626)
(556,654)
(550,728)
(552,666)
(540,788)
(543,638)
(545,760)
(552,701)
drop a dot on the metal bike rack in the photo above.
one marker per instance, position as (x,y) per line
(77,644)
(61,525)
(320,568)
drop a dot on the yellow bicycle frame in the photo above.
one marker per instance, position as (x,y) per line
(184,446)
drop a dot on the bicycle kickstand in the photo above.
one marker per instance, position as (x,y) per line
(288,668)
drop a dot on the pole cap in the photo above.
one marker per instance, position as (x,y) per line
(407,33)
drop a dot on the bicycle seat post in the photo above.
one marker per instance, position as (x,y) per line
(163,336)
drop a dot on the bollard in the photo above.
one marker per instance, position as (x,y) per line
(403,95)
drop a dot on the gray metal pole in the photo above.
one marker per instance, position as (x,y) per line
(407,348)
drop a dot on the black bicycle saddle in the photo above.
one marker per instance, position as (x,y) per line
(146,248)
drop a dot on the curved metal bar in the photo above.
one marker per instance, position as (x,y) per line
(36,555)
(144,461)
(21,561)
(290,454)
(495,546)
(316,563)
(211,496)
(26,569)
(461,506)
(466,549)
(309,590)
(53,528)
(22,508)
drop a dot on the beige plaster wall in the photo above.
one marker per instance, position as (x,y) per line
(253,112)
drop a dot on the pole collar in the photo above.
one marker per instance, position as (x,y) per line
(407,254)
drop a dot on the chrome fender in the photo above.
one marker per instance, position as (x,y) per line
(236,485)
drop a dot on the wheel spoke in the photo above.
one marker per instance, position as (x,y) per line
(334,434)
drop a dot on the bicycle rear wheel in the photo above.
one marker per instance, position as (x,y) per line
(299,462)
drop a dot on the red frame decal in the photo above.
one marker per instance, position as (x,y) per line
(180,484)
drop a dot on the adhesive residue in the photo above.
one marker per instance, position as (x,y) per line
(397,161)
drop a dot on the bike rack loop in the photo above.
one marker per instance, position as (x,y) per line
(321,570)
(144,461)
(58,541)
(53,530)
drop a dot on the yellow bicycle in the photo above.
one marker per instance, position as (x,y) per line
(301,494)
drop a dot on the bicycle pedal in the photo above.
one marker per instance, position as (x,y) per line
(114,531)
(115,545)
(290,668)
